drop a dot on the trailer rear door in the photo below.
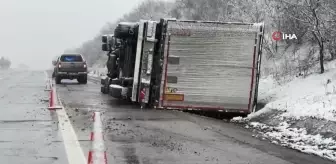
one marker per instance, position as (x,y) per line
(210,65)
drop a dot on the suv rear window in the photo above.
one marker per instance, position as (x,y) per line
(71,58)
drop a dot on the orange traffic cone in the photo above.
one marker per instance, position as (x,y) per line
(53,100)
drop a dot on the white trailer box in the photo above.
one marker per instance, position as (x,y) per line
(211,65)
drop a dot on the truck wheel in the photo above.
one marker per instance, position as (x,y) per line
(103,90)
(102,81)
(115,81)
(115,92)
(111,64)
(126,30)
(58,80)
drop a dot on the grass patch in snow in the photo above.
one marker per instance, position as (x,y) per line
(297,138)
(314,96)
(300,114)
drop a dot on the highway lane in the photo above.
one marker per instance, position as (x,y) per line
(28,131)
(135,136)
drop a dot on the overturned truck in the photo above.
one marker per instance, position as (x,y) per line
(176,64)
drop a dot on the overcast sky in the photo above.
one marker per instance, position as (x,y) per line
(34,31)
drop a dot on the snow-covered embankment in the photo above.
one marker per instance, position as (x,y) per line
(300,114)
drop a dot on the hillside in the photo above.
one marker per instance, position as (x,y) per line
(299,111)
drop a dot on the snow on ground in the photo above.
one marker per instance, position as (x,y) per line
(314,96)
(297,138)
(97,72)
(310,97)
(300,114)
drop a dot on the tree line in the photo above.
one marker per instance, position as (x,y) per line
(312,21)
(4,63)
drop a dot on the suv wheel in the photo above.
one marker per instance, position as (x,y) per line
(58,80)
(82,79)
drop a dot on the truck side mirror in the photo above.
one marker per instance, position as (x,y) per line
(54,62)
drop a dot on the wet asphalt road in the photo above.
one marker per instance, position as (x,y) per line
(28,131)
(135,136)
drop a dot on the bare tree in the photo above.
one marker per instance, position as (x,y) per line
(315,16)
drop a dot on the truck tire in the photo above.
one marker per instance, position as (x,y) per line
(127,82)
(115,81)
(102,81)
(103,90)
(105,85)
(58,80)
(115,92)
(126,30)
(111,64)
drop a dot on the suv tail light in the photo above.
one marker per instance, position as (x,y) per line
(59,66)
(84,65)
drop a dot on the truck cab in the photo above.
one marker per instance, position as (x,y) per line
(128,53)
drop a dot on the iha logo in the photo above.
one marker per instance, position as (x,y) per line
(277,36)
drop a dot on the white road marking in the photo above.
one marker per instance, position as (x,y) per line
(73,149)
(46,74)
(98,147)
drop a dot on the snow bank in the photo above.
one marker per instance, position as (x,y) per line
(93,74)
(313,96)
(300,114)
(97,72)
(297,138)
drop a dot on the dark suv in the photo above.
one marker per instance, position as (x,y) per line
(70,66)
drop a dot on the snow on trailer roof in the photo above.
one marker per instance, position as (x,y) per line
(259,24)
(217,26)
(129,23)
(219,22)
